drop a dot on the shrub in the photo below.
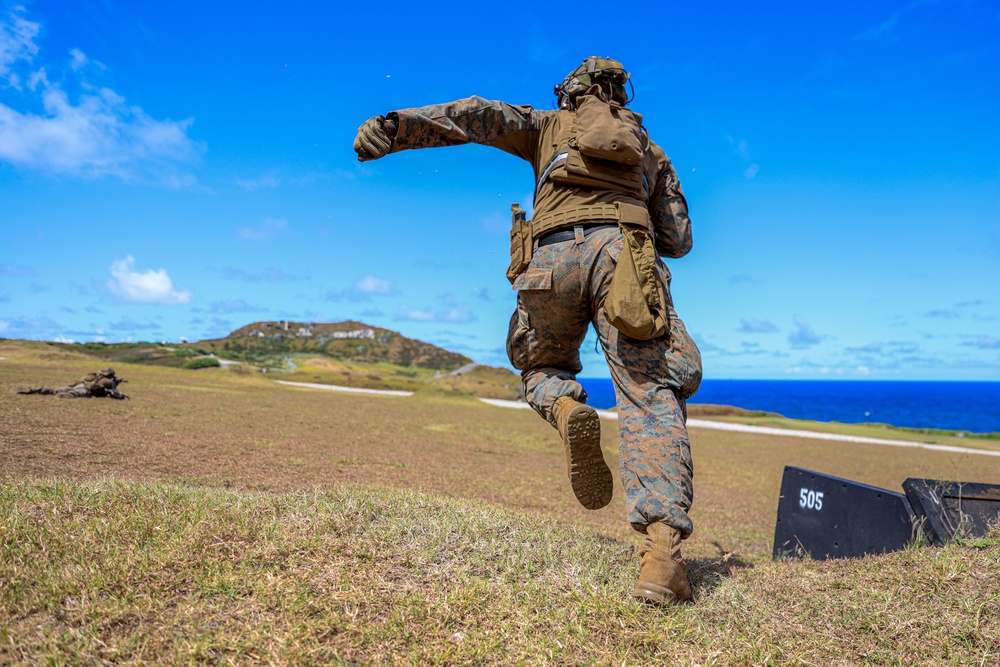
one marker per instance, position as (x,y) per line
(202,362)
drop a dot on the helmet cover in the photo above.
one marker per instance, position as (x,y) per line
(596,70)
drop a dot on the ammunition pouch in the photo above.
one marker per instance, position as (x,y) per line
(520,242)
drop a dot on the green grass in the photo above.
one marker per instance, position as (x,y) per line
(114,572)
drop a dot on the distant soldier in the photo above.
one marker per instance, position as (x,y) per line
(92,385)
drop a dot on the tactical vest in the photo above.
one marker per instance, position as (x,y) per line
(601,148)
(599,145)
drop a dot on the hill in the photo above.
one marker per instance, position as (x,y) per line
(348,353)
(348,340)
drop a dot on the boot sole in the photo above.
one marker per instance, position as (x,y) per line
(655,594)
(589,474)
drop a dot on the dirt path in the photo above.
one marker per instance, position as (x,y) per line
(356,390)
(790,433)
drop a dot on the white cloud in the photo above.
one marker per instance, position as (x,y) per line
(96,135)
(984,343)
(757,326)
(266,230)
(453,312)
(79,59)
(17,43)
(26,326)
(150,286)
(363,290)
(415,314)
(373,285)
(803,335)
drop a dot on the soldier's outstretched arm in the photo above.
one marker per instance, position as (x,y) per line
(471,120)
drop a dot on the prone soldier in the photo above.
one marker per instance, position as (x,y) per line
(92,385)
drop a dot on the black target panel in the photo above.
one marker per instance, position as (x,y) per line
(953,509)
(822,517)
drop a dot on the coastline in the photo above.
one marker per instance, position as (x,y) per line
(793,433)
(970,406)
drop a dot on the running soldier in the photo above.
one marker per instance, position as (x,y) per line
(607,205)
(92,385)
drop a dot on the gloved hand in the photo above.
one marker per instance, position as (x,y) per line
(373,139)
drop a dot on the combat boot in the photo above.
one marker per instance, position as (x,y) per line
(589,475)
(662,572)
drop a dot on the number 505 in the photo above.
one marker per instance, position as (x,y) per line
(811,499)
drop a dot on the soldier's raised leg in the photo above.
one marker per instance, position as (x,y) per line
(543,342)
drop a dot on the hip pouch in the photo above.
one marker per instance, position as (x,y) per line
(520,242)
(636,303)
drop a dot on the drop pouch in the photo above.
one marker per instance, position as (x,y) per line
(636,302)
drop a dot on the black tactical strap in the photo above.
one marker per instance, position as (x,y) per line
(570,234)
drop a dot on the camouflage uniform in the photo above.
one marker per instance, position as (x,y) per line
(563,289)
(104,383)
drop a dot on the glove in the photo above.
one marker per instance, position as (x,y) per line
(373,140)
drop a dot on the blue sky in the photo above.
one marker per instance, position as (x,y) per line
(176,170)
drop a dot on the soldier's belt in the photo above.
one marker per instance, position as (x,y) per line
(569,217)
(569,234)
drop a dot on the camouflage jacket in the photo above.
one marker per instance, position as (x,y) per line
(525,132)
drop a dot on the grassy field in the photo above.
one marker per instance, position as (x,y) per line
(218,518)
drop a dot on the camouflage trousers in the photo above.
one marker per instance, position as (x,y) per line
(558,296)
(69,391)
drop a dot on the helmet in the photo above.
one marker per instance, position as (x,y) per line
(608,73)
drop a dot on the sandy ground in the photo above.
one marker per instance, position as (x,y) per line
(764,430)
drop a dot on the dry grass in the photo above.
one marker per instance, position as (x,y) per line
(218,518)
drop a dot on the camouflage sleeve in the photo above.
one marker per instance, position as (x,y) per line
(473,120)
(668,210)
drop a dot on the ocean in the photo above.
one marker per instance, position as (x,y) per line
(966,406)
